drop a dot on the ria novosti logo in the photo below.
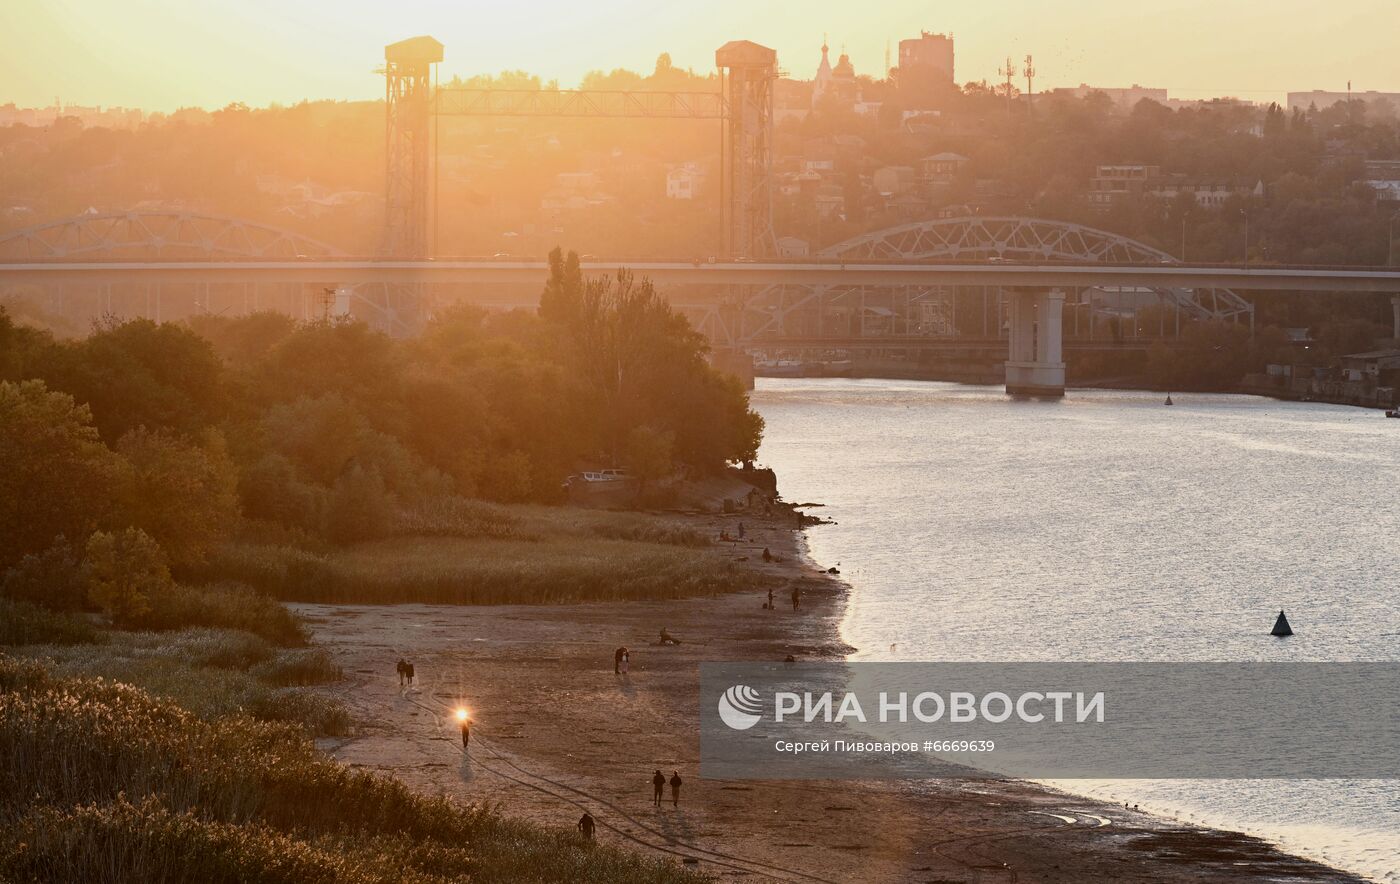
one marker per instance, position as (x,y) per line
(740,707)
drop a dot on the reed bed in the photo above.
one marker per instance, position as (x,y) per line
(101,782)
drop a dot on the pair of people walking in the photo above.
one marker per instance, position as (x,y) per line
(405,670)
(658,784)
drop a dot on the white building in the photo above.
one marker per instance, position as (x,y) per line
(684,182)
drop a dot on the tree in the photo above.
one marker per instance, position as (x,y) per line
(57,478)
(123,571)
(649,454)
(182,494)
(52,578)
(138,373)
(359,507)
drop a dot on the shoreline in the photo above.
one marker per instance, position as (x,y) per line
(1128,384)
(556,731)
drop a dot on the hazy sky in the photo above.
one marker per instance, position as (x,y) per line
(162,54)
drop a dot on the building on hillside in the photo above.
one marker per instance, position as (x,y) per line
(1118,181)
(942,167)
(684,182)
(834,84)
(1322,99)
(927,60)
(888,180)
(1208,194)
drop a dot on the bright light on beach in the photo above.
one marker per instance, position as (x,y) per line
(461,714)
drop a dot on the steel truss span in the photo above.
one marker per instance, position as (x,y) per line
(192,237)
(972,239)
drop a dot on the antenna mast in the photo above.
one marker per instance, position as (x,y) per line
(1008,72)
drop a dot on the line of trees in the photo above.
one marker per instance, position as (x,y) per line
(134,451)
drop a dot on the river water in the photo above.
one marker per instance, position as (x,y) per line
(1106,526)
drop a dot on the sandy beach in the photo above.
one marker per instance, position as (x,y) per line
(556,732)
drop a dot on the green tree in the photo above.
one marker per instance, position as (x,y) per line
(139,373)
(359,507)
(57,478)
(182,494)
(124,570)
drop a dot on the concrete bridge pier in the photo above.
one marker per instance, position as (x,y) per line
(1035,365)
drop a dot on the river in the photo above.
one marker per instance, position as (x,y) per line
(1106,526)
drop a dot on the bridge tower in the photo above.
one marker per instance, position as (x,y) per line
(749,72)
(408,150)
(1036,364)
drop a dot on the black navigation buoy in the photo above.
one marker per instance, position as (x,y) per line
(1281,627)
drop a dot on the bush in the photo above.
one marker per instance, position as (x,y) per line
(24,624)
(218,648)
(224,606)
(318,715)
(301,667)
(123,570)
(52,578)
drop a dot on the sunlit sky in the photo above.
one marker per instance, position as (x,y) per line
(164,54)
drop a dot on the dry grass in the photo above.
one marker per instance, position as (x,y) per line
(100,782)
(558,568)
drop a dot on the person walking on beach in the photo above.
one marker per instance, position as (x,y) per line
(402,668)
(626,661)
(741,530)
(796,597)
(408,673)
(770,598)
(675,788)
(658,782)
(466,732)
(617,660)
(586,826)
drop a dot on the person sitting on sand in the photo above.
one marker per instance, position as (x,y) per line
(667,638)
(675,788)
(658,782)
(767,556)
(586,826)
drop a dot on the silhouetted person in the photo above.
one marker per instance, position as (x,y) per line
(402,668)
(586,826)
(796,597)
(658,782)
(617,660)
(767,556)
(626,661)
(408,673)
(741,530)
(770,598)
(466,732)
(675,788)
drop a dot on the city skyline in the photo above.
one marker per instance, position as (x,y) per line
(260,53)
